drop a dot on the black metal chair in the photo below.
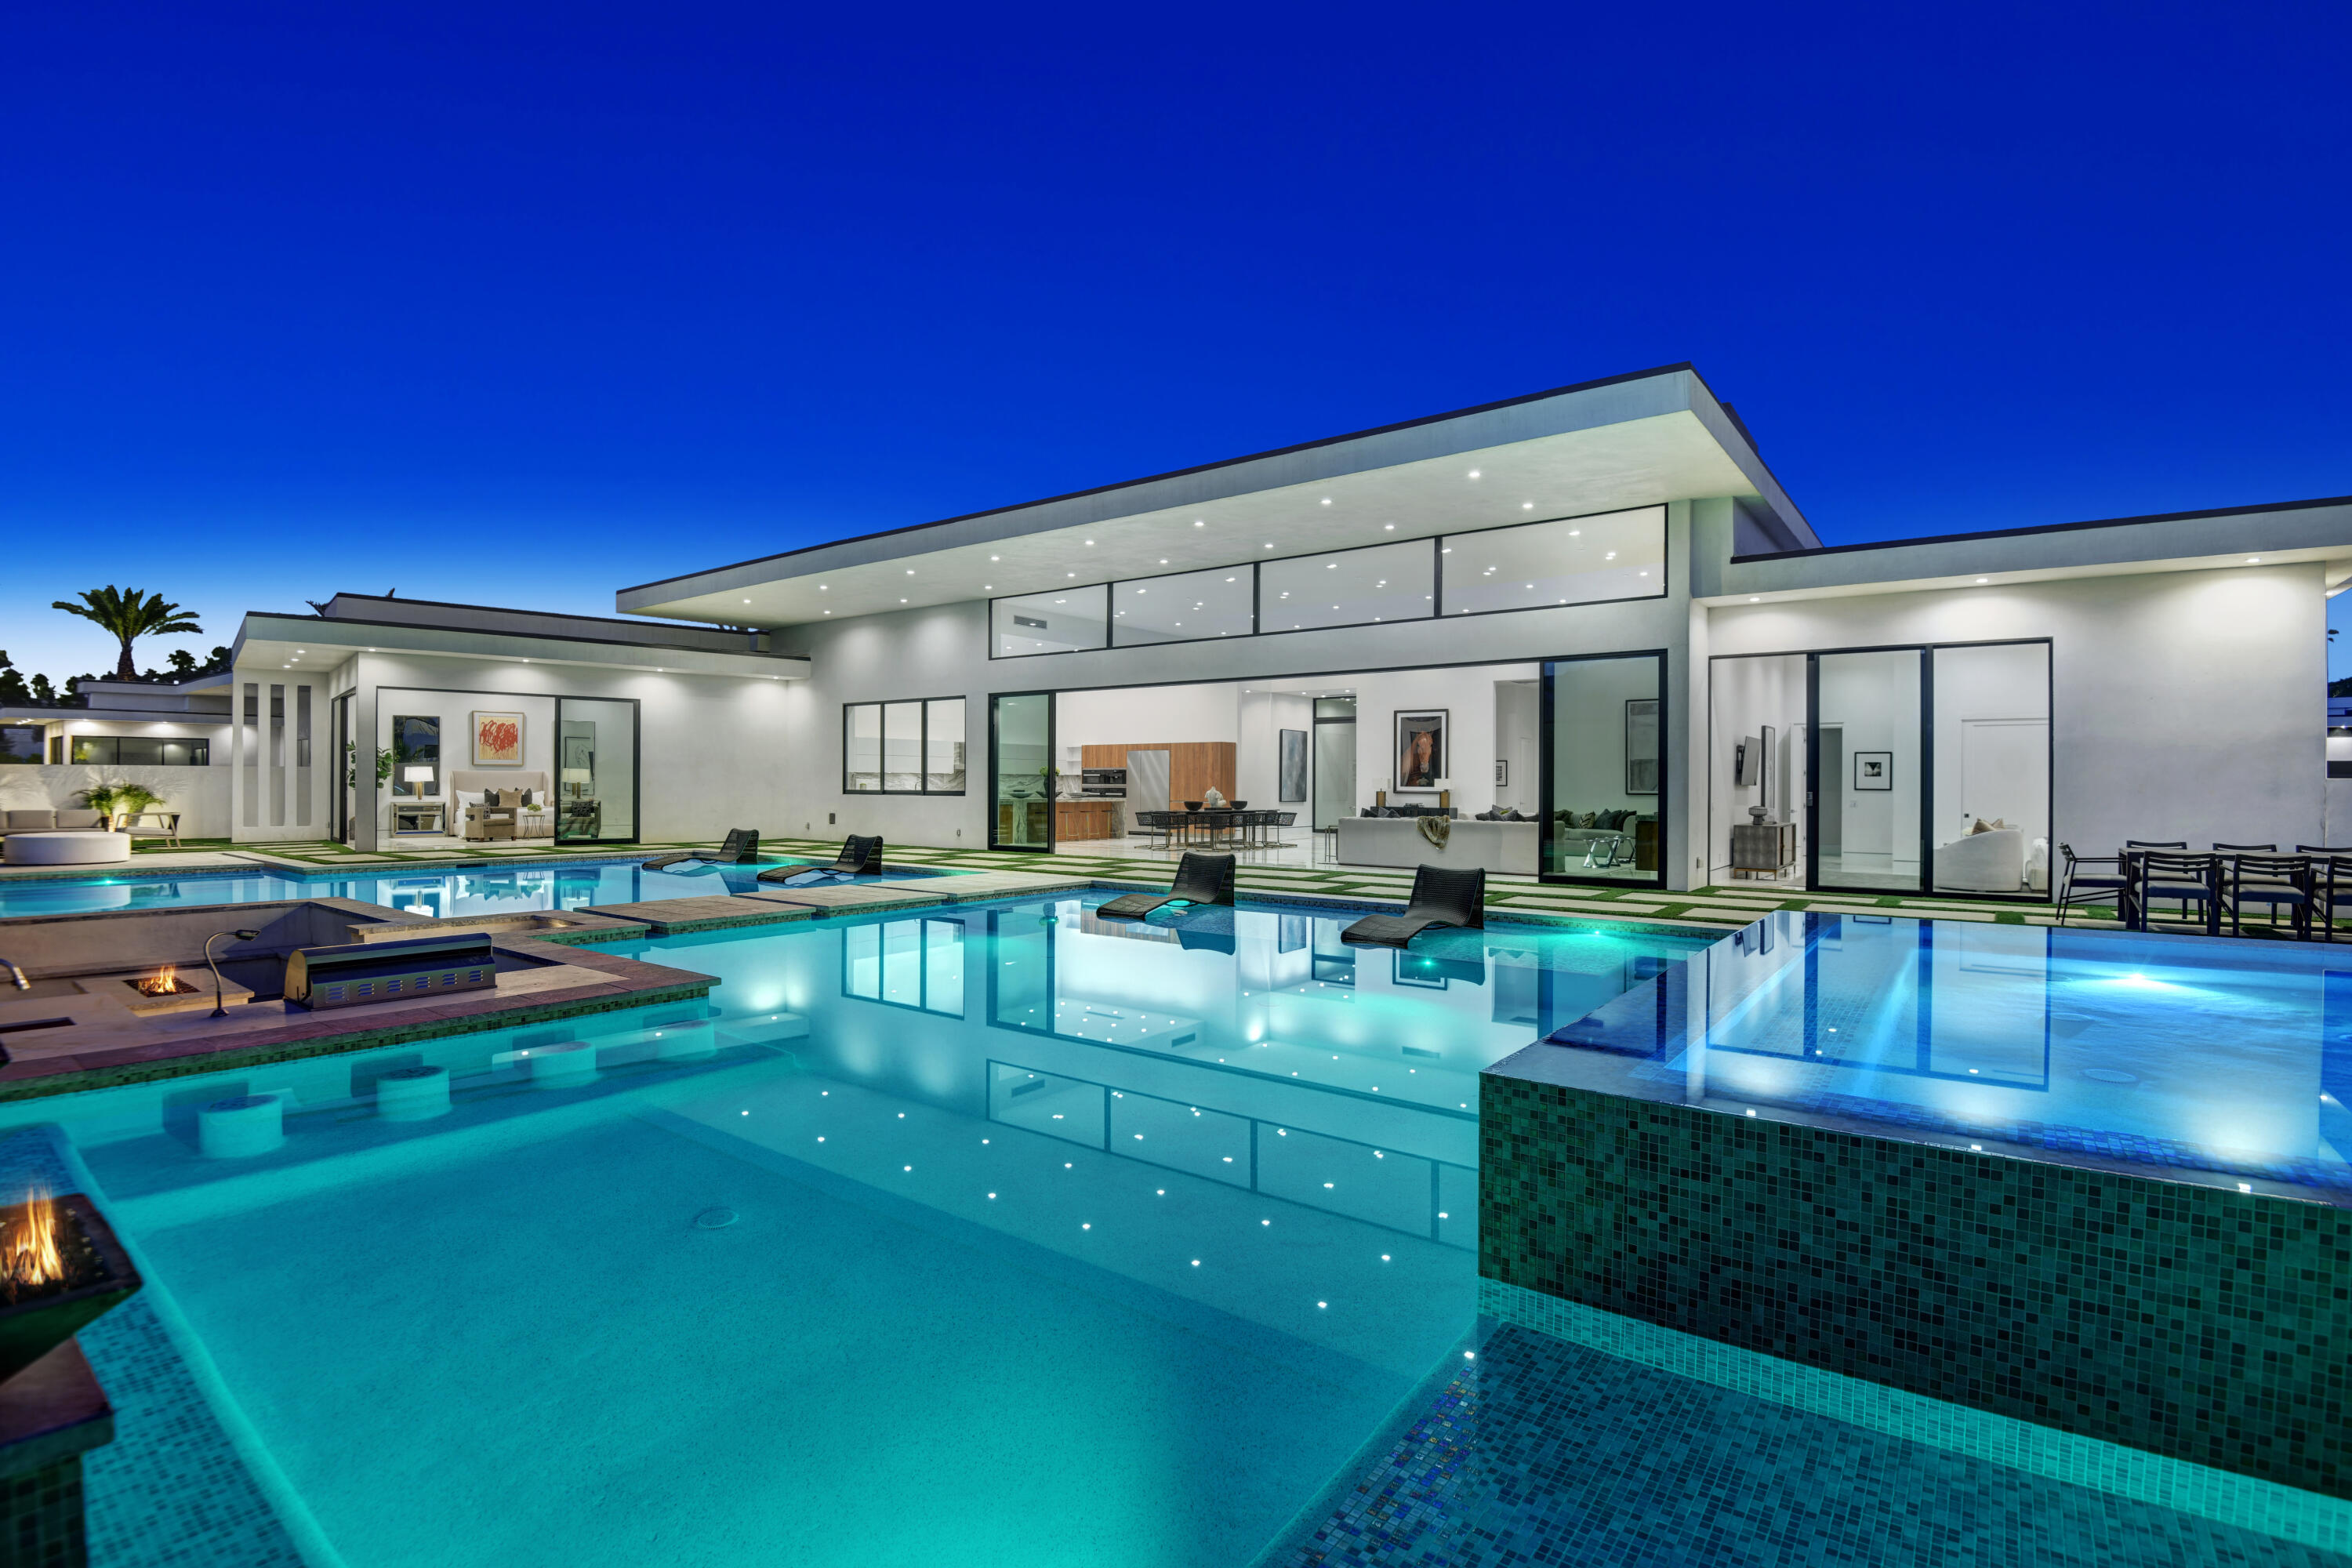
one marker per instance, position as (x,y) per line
(1440,897)
(2131,848)
(2190,878)
(2331,882)
(2269,881)
(861,855)
(2073,887)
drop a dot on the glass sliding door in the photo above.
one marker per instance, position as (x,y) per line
(1990,830)
(1603,751)
(596,769)
(1021,775)
(1868,770)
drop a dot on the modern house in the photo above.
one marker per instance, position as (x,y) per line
(1592,613)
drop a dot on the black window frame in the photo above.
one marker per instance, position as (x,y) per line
(200,750)
(1437,543)
(922,747)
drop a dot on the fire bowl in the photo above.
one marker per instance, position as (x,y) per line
(96,1277)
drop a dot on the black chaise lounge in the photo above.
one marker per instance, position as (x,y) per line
(860,857)
(1440,897)
(1199,879)
(741,847)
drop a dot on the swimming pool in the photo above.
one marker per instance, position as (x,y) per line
(2195,1057)
(989,1233)
(483,890)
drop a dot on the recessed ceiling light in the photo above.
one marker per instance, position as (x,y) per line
(2253,560)
(986,587)
(1754,600)
(1198,523)
(1163,561)
(821,587)
(902,600)
(1326,501)
(747,601)
(1388,527)
(910,571)
(1089,542)
(1473,473)
(1524,506)
(996,558)
(1984,579)
(828,612)
(1269,547)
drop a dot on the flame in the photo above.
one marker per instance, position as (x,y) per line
(29,1258)
(164,981)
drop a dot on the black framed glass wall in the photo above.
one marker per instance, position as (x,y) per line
(1542,564)
(1869,751)
(911,747)
(1605,775)
(596,769)
(1924,767)
(1021,771)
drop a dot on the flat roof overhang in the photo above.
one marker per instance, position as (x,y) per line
(1638,440)
(2279,534)
(306,642)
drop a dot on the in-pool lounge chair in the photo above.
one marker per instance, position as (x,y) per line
(741,847)
(860,856)
(1440,897)
(1199,879)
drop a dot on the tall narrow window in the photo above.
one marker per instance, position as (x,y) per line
(902,747)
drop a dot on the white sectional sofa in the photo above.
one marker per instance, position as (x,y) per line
(1472,845)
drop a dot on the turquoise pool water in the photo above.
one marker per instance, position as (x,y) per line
(2201,1059)
(1047,1240)
(491,891)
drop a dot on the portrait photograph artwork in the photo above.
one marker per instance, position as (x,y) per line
(1420,748)
(497,740)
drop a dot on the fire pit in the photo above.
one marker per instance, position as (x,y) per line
(60,1268)
(165,991)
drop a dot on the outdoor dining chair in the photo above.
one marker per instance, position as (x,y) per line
(2269,881)
(2161,874)
(2074,888)
(2131,848)
(2331,882)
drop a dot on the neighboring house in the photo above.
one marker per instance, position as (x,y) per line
(1592,617)
(168,736)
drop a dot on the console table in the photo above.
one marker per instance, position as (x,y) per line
(417,817)
(1762,848)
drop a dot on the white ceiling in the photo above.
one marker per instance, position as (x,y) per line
(1605,467)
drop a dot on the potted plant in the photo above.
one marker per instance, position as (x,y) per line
(131,799)
(101,798)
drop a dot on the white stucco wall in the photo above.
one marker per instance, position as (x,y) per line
(2186,704)
(712,751)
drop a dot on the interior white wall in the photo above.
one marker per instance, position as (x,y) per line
(1467,693)
(1746,695)
(2006,682)
(1518,730)
(1257,761)
(1151,715)
(2186,704)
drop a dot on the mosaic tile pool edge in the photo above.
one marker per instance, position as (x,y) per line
(2289,1514)
(2150,1314)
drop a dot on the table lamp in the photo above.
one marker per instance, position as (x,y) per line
(416,777)
(1444,794)
(576,780)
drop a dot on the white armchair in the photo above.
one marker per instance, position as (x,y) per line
(1991,862)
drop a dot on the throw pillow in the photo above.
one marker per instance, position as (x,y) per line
(526,797)
(1588,819)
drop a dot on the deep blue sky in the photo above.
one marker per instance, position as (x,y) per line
(526,308)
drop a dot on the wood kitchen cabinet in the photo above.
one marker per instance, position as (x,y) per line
(1192,767)
(1076,819)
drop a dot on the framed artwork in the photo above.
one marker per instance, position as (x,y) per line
(1874,770)
(1292,784)
(497,740)
(1501,773)
(1641,745)
(1421,751)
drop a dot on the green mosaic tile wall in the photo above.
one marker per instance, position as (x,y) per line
(2186,1320)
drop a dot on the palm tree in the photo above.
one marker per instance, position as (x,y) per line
(127,615)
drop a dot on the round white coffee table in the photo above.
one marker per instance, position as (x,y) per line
(68,847)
